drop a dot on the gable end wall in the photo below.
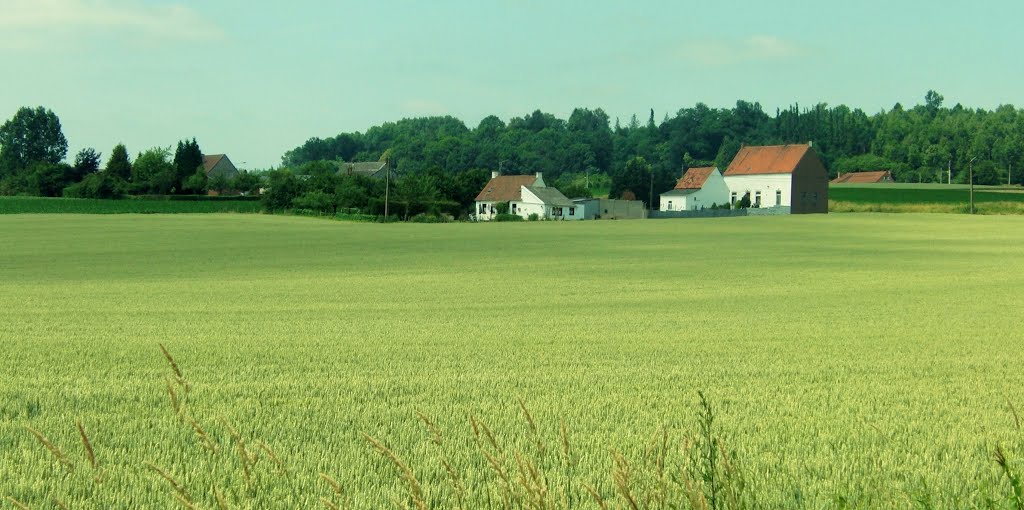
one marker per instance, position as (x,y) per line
(810,180)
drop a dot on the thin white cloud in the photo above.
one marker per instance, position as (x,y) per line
(726,52)
(35,23)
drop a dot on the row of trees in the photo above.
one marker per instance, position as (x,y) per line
(318,187)
(926,143)
(33,149)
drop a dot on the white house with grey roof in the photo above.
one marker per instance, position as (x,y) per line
(525,195)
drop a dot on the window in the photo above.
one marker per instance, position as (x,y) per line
(572,211)
(815,196)
(733,199)
(556,211)
(669,206)
(483,208)
(778,197)
(514,208)
(757,199)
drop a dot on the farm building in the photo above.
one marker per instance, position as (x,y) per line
(525,195)
(698,188)
(863,177)
(790,176)
(219,165)
(608,209)
(371,169)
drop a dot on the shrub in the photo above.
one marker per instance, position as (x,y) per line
(501,208)
(316,201)
(534,217)
(507,217)
(96,185)
(428,218)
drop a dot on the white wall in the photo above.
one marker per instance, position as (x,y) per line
(714,192)
(672,202)
(767,184)
(488,214)
(533,205)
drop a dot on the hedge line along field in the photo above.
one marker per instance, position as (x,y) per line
(865,361)
(922,193)
(163,205)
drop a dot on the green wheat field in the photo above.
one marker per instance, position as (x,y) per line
(845,361)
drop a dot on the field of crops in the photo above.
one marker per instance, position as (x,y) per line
(135,205)
(866,361)
(922,194)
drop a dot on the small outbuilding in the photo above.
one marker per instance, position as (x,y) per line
(698,188)
(373,169)
(608,209)
(863,177)
(219,165)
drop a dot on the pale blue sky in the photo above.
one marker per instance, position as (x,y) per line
(254,80)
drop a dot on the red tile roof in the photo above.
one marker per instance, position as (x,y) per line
(210,161)
(864,177)
(505,188)
(694,178)
(769,159)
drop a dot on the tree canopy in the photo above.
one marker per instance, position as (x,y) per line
(32,136)
(917,144)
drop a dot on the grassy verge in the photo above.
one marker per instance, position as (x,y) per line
(881,194)
(948,208)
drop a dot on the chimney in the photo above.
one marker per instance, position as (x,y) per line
(540,176)
(540,181)
(810,143)
(495,173)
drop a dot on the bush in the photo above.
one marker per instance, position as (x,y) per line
(96,185)
(501,208)
(534,217)
(316,201)
(507,217)
(428,218)
(355,216)
(283,188)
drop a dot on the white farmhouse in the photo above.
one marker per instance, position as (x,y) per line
(525,195)
(779,176)
(698,188)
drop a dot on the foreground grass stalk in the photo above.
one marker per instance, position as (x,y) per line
(17,504)
(179,491)
(53,449)
(1016,484)
(415,489)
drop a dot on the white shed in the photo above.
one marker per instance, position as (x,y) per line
(698,188)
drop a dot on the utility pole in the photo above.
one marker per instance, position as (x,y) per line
(387,185)
(650,194)
(972,184)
